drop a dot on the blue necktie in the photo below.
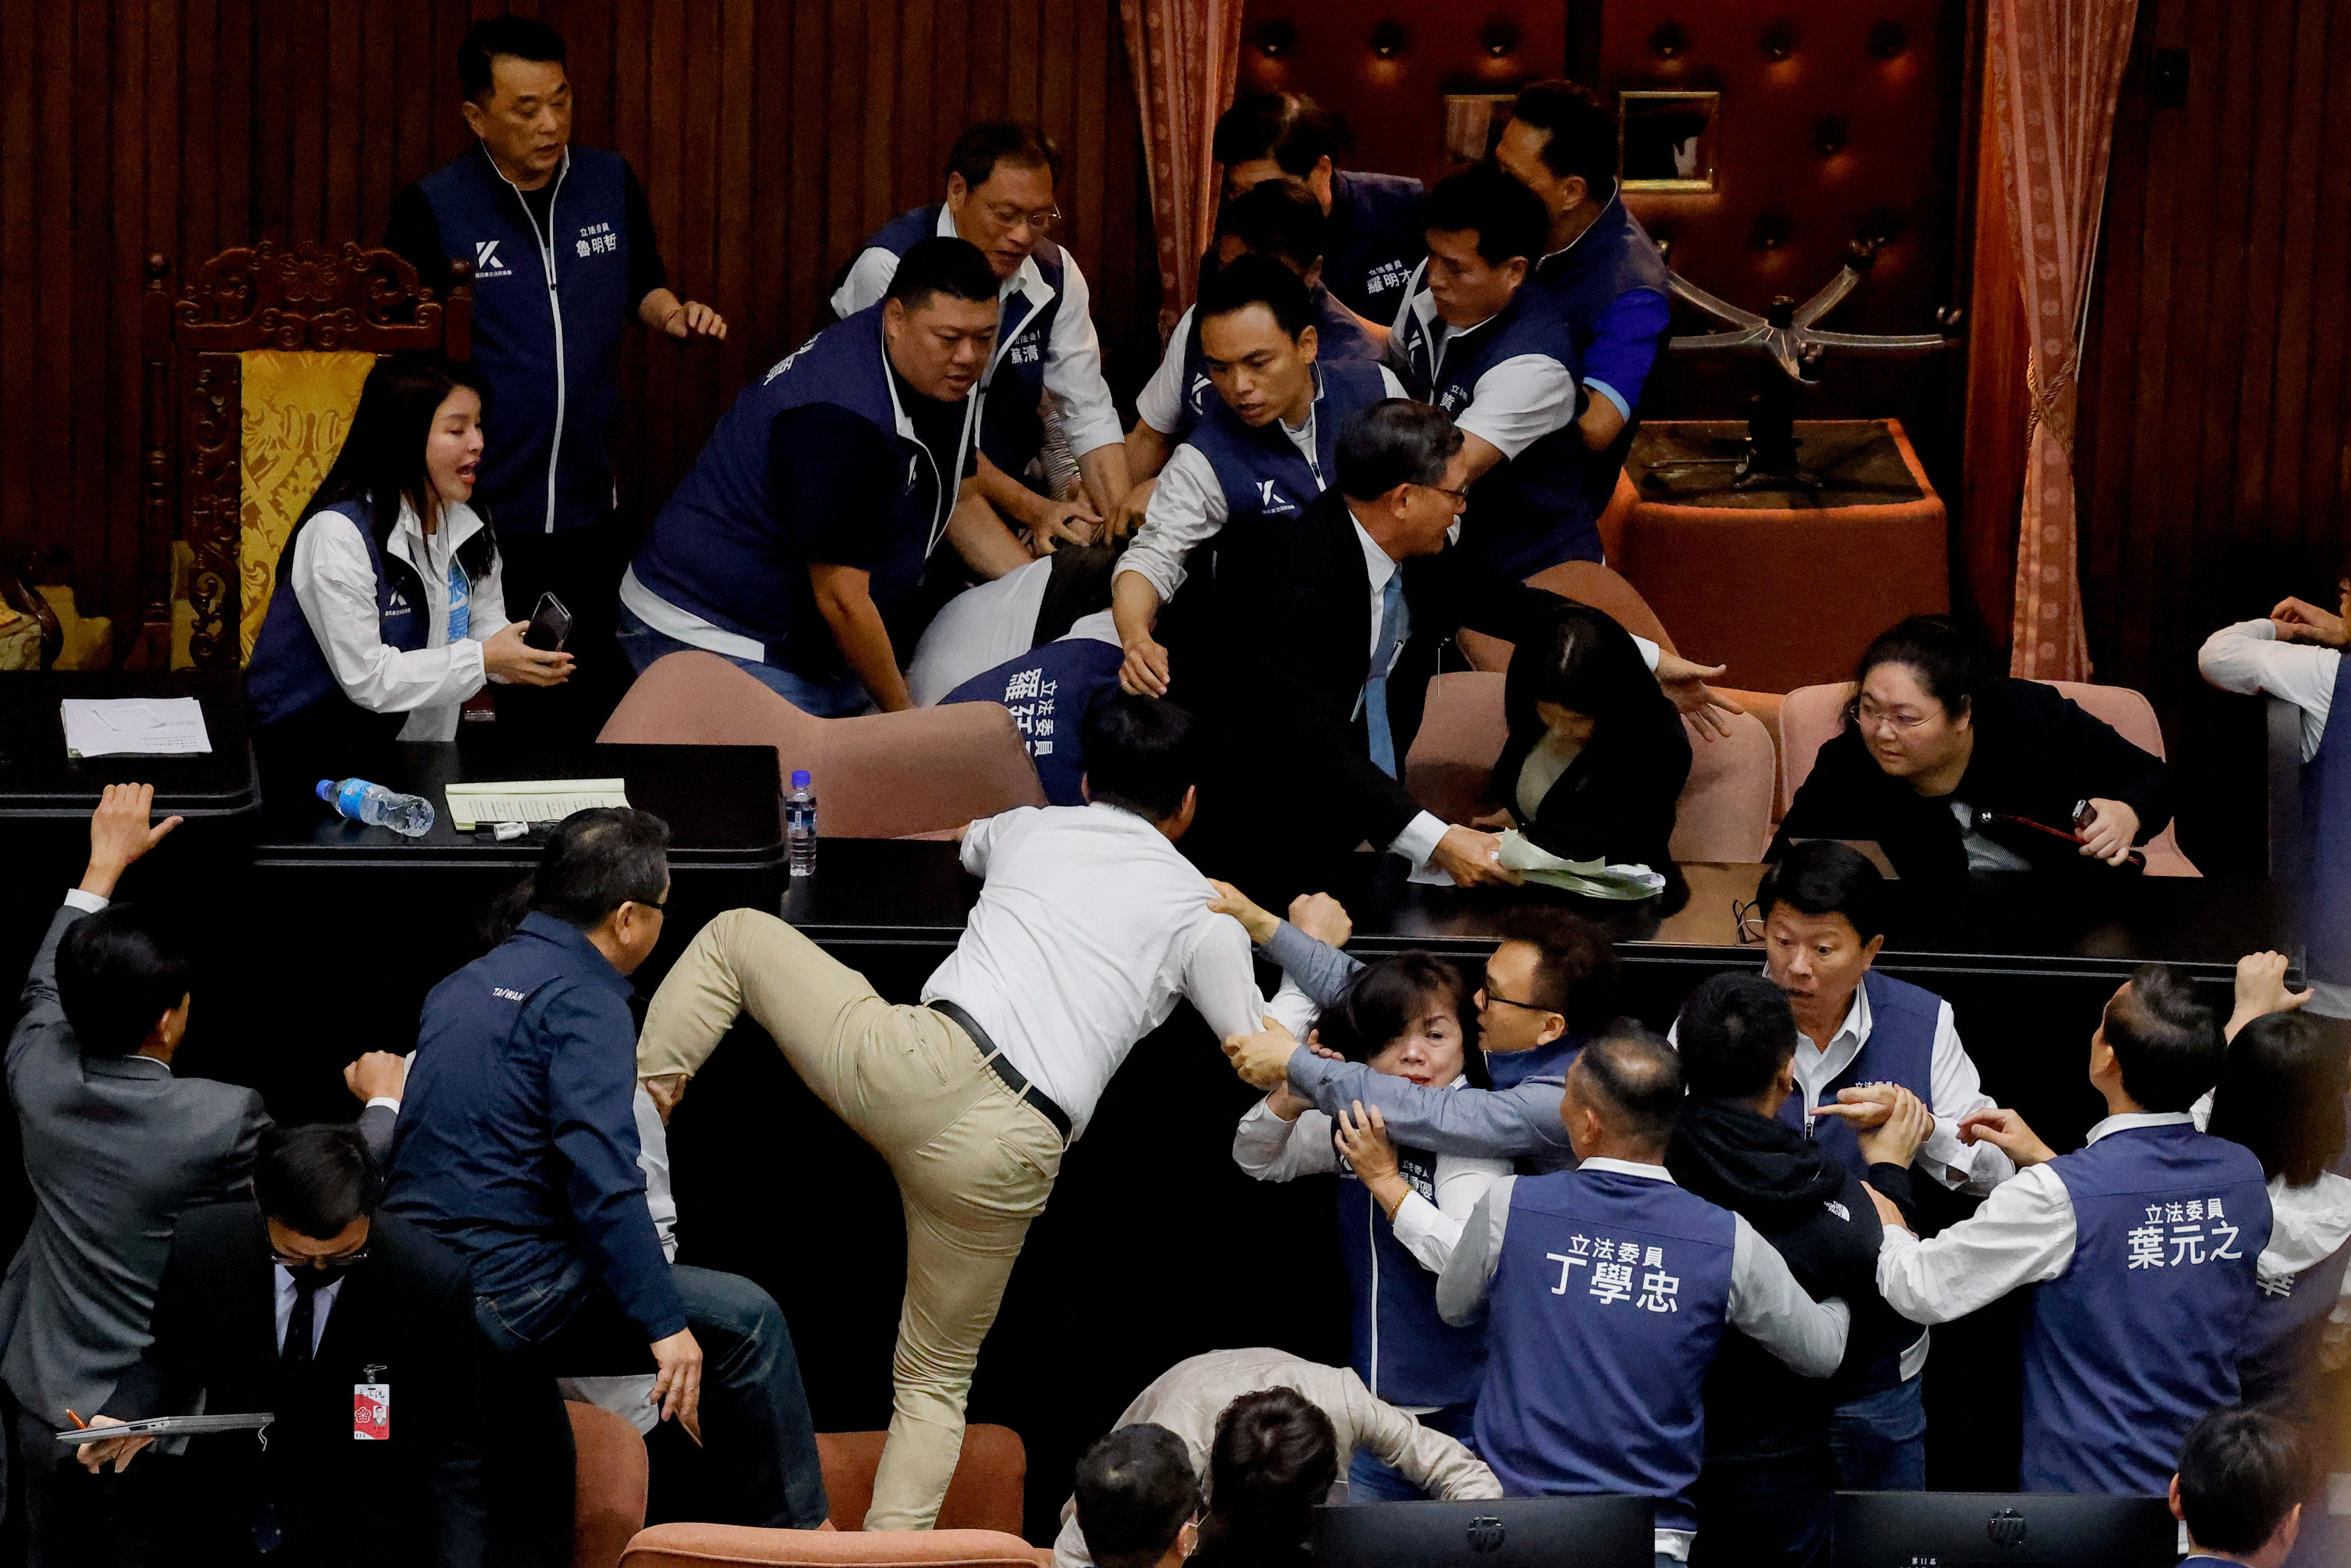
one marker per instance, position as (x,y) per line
(1375,690)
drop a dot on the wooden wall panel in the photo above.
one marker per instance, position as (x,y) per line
(771,136)
(2214,458)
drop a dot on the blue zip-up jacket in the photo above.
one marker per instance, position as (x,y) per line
(517,1135)
(548,311)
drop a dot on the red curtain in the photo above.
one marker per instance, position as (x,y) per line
(1184,54)
(2056,68)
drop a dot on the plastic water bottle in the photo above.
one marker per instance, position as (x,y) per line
(408,815)
(800,824)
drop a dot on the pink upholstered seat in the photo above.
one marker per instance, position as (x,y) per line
(978,1522)
(608,1499)
(1813,715)
(1724,812)
(742,1545)
(880,776)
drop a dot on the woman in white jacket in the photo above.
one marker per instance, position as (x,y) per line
(387,612)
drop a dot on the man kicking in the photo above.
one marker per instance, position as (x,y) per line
(1090,928)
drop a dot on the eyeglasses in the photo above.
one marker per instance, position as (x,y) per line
(1010,216)
(1866,714)
(1460,495)
(1488,994)
(1749,921)
(297,1262)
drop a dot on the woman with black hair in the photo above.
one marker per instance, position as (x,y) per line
(1597,756)
(2281,1095)
(1275,1458)
(1400,1210)
(387,612)
(1952,768)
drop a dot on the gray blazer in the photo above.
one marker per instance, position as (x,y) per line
(115,1149)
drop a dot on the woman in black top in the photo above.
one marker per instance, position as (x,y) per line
(1597,756)
(1937,752)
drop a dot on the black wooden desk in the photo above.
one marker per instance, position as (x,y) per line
(872,894)
(342,929)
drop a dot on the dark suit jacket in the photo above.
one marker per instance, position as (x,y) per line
(115,1147)
(406,1313)
(2036,754)
(1286,656)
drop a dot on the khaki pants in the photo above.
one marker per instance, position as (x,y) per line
(974,1165)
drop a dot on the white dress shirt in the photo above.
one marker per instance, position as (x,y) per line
(1766,1304)
(1189,506)
(1160,403)
(2247,659)
(1270,1149)
(1090,930)
(1955,1089)
(1073,370)
(322,1302)
(333,579)
(2024,1235)
(1517,402)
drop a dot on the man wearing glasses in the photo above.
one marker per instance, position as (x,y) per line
(1000,179)
(307,1304)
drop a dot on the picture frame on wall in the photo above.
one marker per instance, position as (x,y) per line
(1672,139)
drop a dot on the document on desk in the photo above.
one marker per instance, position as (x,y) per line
(135,726)
(530,799)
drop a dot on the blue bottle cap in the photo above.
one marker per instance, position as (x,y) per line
(799,779)
(326,789)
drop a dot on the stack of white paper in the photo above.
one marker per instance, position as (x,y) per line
(530,799)
(135,726)
(1593,878)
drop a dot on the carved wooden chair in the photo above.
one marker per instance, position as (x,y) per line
(252,376)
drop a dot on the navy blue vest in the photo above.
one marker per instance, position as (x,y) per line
(548,314)
(1265,477)
(1010,432)
(2139,1337)
(2326,874)
(1341,337)
(289,673)
(1373,241)
(1048,690)
(1612,1293)
(1614,256)
(716,549)
(1900,1050)
(1533,510)
(2279,1348)
(1405,1352)
(1512,1068)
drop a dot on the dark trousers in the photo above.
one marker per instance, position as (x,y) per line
(582,568)
(1768,1512)
(758,1444)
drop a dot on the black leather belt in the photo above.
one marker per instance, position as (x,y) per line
(1014,1078)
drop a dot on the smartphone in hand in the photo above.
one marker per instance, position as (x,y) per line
(551,623)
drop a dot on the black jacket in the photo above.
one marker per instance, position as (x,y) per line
(406,1313)
(1282,652)
(1616,801)
(2036,754)
(1815,1214)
